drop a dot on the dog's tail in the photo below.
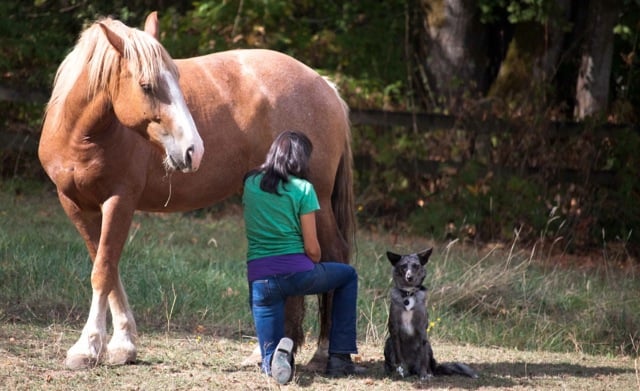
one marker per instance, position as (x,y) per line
(454,368)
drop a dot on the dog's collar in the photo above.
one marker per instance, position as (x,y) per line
(410,292)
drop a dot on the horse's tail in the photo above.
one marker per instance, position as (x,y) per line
(342,205)
(454,368)
(342,198)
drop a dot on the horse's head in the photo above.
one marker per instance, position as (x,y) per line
(147,97)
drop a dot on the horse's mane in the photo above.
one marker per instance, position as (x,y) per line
(146,57)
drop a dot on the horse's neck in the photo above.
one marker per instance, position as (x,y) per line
(84,117)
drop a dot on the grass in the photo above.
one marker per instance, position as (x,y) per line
(496,307)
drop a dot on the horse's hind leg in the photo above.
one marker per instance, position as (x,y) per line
(294,317)
(334,248)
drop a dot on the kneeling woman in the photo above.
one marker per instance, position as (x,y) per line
(283,258)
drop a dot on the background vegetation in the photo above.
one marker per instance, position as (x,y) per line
(505,162)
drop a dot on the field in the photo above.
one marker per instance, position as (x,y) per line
(525,317)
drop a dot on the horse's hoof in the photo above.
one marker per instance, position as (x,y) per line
(121,357)
(80,361)
(319,360)
(255,358)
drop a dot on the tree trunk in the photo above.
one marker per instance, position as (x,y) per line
(592,87)
(531,62)
(453,45)
(553,39)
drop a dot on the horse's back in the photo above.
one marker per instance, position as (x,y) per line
(253,94)
(265,84)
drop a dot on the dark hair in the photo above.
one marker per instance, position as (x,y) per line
(289,155)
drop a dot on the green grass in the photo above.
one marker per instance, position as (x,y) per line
(185,272)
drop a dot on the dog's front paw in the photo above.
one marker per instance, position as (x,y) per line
(426,377)
(400,370)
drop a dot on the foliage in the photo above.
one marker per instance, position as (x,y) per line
(488,206)
(618,207)
(626,66)
(545,184)
(518,11)
(358,39)
(35,36)
(362,46)
(29,53)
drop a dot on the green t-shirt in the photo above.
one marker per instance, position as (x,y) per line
(272,221)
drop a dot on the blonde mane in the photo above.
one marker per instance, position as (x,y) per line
(146,58)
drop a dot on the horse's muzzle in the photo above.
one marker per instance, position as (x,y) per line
(184,164)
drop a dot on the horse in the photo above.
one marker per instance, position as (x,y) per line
(128,128)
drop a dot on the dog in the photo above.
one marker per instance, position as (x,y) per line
(407,350)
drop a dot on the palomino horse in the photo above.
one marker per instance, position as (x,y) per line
(127,128)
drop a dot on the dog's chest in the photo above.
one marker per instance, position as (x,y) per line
(406,319)
(409,303)
(410,307)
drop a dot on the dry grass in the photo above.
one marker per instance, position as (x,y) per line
(32,357)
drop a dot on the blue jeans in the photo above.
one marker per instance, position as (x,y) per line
(268,298)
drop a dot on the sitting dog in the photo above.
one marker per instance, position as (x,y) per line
(407,351)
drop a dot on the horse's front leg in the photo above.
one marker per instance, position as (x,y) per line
(122,348)
(104,233)
(117,215)
(89,349)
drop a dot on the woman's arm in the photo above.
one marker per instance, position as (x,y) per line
(310,237)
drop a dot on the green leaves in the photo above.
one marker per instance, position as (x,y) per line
(518,11)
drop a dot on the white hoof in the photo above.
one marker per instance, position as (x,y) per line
(255,358)
(121,350)
(80,361)
(86,353)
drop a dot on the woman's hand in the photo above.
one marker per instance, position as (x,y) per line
(310,236)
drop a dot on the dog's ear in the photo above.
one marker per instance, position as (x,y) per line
(393,257)
(424,255)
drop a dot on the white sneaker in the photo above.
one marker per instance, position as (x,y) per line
(282,361)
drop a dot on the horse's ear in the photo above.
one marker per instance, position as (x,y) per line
(114,39)
(424,255)
(151,25)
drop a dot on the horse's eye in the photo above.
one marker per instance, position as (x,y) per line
(146,87)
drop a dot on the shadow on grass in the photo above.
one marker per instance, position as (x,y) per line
(499,375)
(527,370)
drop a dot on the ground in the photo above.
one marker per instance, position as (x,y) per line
(31,357)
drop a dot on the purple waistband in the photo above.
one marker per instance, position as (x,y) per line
(278,264)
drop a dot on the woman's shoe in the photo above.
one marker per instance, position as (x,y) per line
(282,361)
(340,365)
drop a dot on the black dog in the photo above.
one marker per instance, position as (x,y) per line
(407,350)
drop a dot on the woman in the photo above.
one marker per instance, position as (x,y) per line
(284,258)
